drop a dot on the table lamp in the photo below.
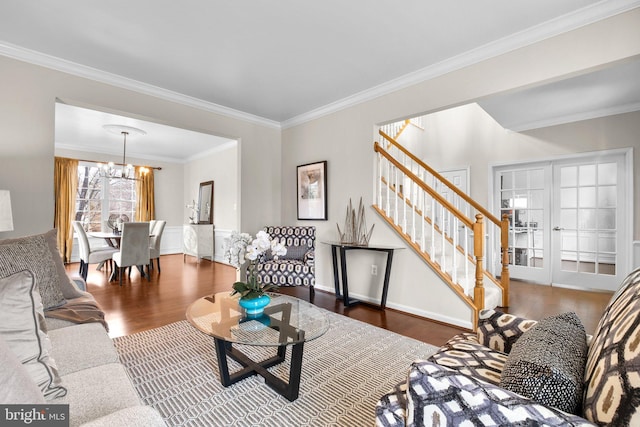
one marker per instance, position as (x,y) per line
(6,218)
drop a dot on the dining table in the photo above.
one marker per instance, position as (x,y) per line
(112,238)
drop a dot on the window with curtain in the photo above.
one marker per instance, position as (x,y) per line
(99,198)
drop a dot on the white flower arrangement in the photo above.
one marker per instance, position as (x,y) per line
(239,247)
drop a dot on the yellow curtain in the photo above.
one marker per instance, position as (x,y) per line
(65,181)
(145,199)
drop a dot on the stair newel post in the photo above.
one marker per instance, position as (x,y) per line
(504,248)
(478,250)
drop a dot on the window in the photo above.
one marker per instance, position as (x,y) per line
(102,198)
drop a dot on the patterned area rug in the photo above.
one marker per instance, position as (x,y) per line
(344,373)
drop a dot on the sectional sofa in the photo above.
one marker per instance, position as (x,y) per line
(515,371)
(54,346)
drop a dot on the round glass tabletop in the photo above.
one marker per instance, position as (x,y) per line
(286,320)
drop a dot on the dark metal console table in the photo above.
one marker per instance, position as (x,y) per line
(342,271)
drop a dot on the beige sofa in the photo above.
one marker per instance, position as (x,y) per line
(52,360)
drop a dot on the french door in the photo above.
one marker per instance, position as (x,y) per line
(589,223)
(568,220)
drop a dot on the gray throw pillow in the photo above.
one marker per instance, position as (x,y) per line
(295,252)
(16,386)
(23,327)
(32,253)
(547,363)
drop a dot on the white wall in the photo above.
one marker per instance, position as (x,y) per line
(268,157)
(27,109)
(468,136)
(345,140)
(221,167)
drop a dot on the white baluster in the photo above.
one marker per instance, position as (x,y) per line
(442,263)
(422,221)
(454,273)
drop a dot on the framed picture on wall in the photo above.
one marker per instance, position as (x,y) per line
(312,191)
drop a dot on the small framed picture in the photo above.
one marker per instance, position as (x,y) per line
(312,191)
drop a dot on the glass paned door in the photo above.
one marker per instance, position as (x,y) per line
(523,197)
(588,223)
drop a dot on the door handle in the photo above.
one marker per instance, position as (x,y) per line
(557,228)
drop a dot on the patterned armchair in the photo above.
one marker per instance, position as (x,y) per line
(515,371)
(297,267)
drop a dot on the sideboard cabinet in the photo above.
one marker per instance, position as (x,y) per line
(198,241)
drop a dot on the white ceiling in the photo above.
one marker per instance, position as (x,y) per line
(82,129)
(280,62)
(612,90)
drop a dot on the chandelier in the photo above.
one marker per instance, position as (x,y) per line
(127,171)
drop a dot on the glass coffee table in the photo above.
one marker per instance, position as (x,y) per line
(286,321)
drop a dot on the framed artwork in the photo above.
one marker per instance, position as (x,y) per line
(312,191)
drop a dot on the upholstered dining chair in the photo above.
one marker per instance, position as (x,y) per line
(134,248)
(154,242)
(297,267)
(89,255)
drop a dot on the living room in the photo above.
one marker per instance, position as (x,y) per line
(270,150)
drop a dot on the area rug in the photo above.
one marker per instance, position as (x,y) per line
(344,373)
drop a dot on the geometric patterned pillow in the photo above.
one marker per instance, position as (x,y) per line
(547,363)
(612,375)
(438,396)
(500,331)
(463,353)
(391,408)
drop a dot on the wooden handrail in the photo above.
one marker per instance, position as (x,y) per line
(452,187)
(450,207)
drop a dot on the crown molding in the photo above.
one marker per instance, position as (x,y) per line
(585,16)
(570,118)
(52,62)
(562,24)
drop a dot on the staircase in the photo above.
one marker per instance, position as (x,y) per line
(458,238)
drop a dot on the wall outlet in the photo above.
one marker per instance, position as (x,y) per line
(374,270)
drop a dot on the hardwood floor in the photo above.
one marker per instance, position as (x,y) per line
(140,304)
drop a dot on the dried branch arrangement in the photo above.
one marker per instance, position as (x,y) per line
(355,227)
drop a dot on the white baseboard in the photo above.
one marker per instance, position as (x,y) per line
(406,309)
(636,254)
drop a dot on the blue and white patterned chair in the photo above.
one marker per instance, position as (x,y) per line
(297,267)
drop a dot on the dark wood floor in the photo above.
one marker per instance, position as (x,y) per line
(140,304)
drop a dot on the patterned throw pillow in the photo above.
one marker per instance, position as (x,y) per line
(499,331)
(68,289)
(23,328)
(547,363)
(438,396)
(612,375)
(463,353)
(33,254)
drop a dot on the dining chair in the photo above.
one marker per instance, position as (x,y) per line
(134,248)
(89,255)
(154,245)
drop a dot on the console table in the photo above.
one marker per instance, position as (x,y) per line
(198,241)
(342,272)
